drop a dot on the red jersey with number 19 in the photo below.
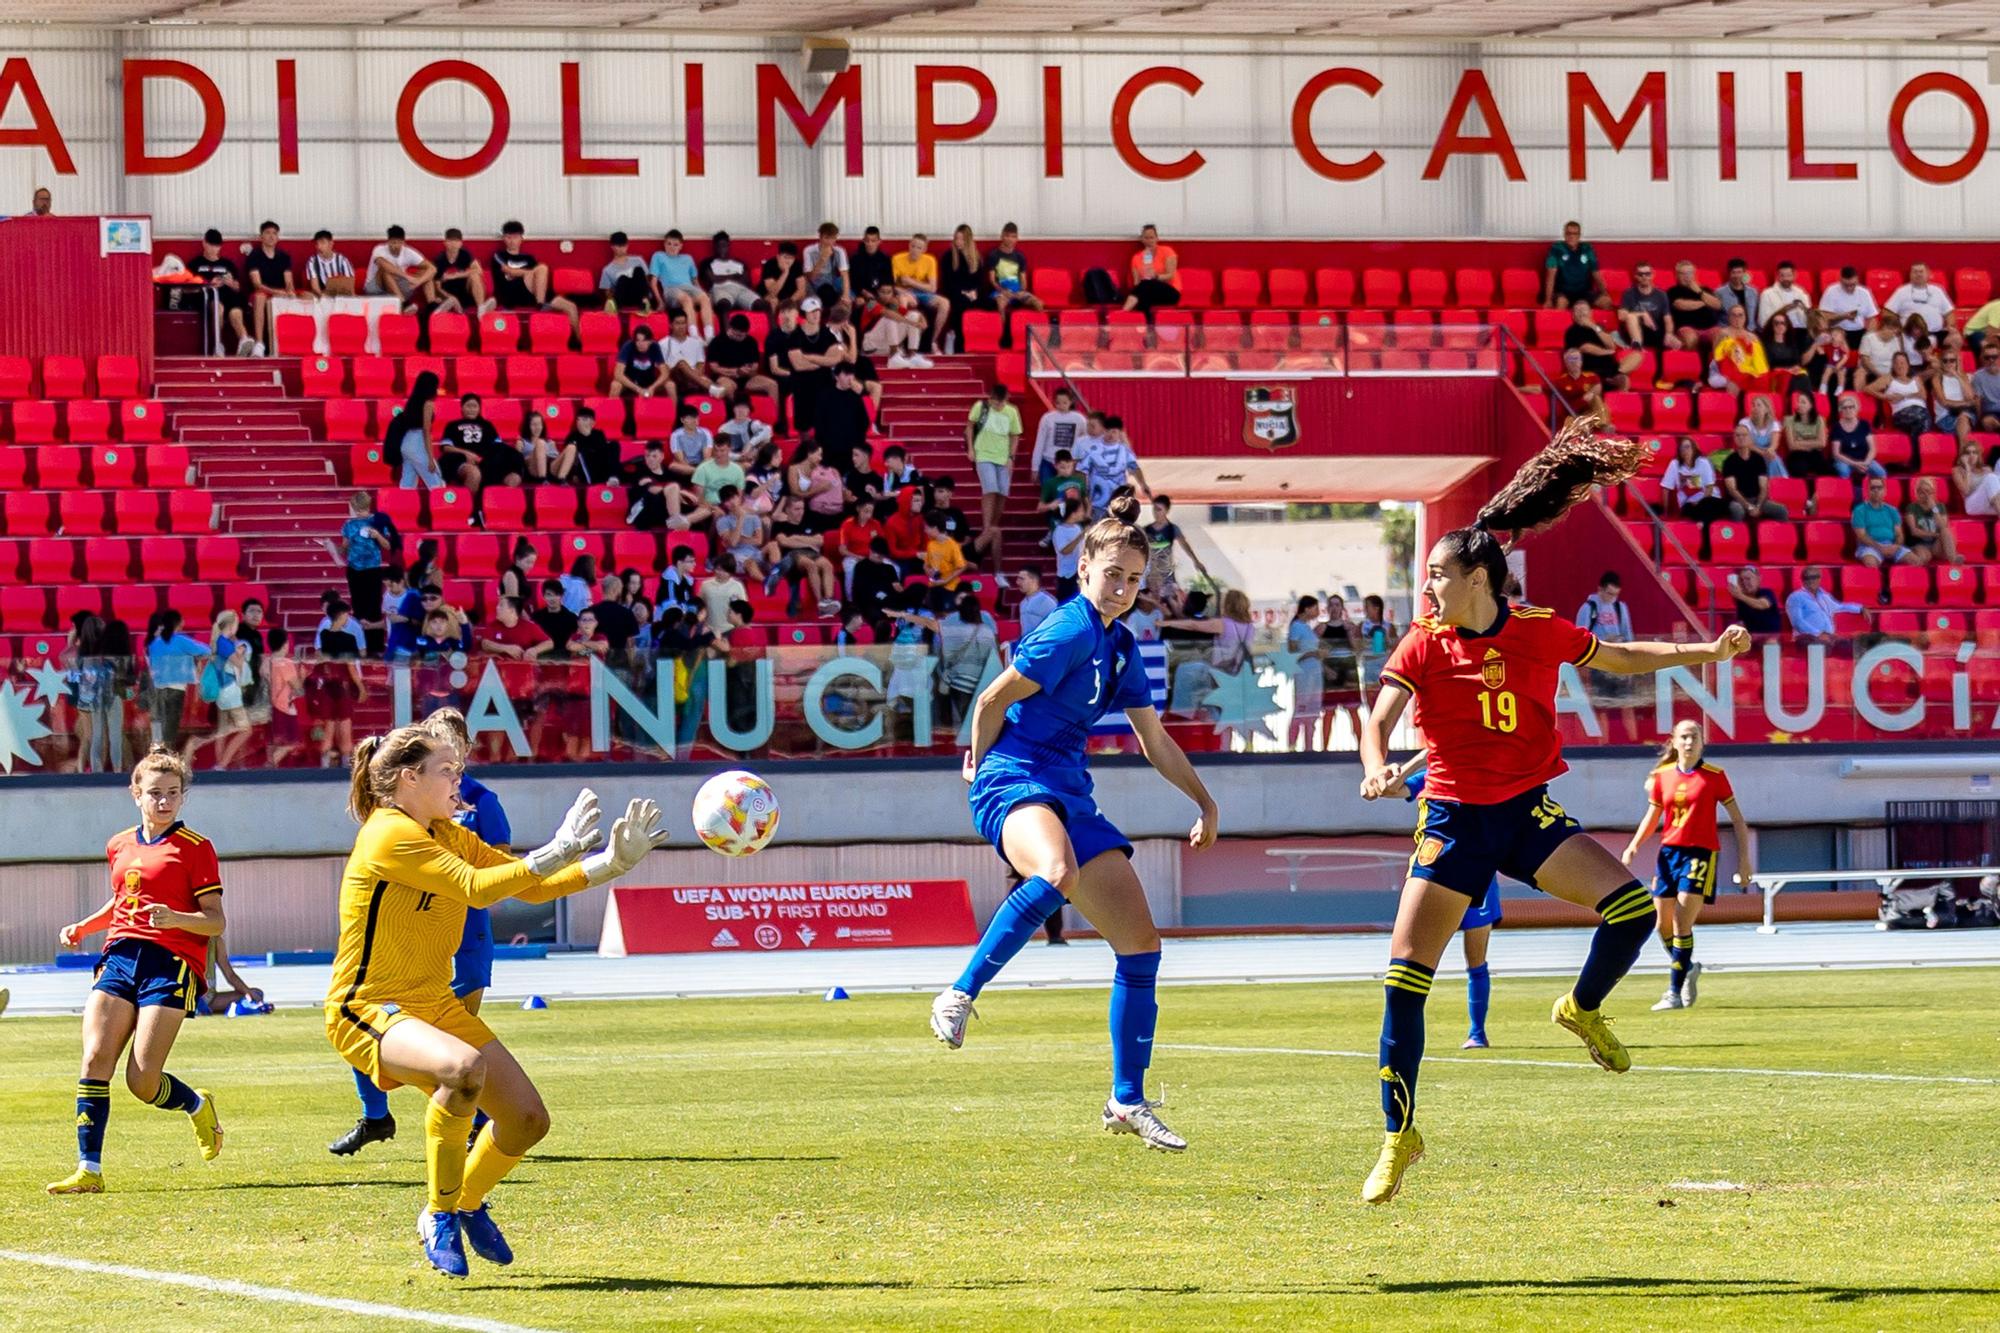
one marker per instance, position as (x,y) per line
(1486,703)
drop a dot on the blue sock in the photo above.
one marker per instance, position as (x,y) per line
(1135,1012)
(1681,953)
(374,1101)
(1627,914)
(1403,994)
(1012,926)
(1478,994)
(175,1095)
(93,1110)
(480,1120)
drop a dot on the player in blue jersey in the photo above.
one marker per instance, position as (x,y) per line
(472,965)
(1031,798)
(1476,928)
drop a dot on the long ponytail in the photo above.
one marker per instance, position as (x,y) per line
(1560,477)
(360,796)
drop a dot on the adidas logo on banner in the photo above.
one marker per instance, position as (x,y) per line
(723,940)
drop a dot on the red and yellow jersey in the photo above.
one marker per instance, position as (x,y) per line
(176,870)
(402,906)
(1687,803)
(1486,703)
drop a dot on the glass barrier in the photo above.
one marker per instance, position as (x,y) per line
(1317,345)
(820,700)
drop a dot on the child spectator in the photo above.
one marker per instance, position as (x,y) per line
(655,499)
(641,367)
(1067,538)
(554,619)
(689,445)
(904,531)
(739,532)
(875,584)
(365,552)
(1057,432)
(746,434)
(328,273)
(898,472)
(1109,463)
(538,452)
(950,517)
(588,457)
(624,281)
(677,284)
(676,586)
(222,684)
(282,680)
(1060,484)
(944,558)
(858,536)
(1162,536)
(720,589)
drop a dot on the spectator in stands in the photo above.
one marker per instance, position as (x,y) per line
(870,266)
(1696,309)
(1232,634)
(1746,480)
(764,477)
(992,429)
(41,203)
(282,681)
(1645,316)
(781,279)
(1880,345)
(898,472)
(1978,484)
(554,618)
(1878,530)
(93,682)
(825,265)
(916,271)
(892,326)
(1108,461)
(461,283)
(1767,433)
(690,444)
(1850,305)
(641,367)
(735,363)
(1980,323)
(779,344)
(1061,485)
(904,529)
(965,644)
(396,269)
(1163,536)
(1805,438)
(365,553)
(964,281)
(795,554)
(328,273)
(625,281)
(840,422)
(252,631)
(1606,614)
(726,277)
(615,620)
(1736,293)
(335,685)
(270,271)
(1785,296)
(1602,356)
(408,440)
(1570,272)
(944,558)
(1756,605)
(1902,395)
(718,590)
(579,585)
(675,590)
(1007,277)
(538,452)
(746,435)
(1688,487)
(221,275)
(677,284)
(1581,392)
(815,350)
(1811,608)
(1155,278)
(1736,355)
(1853,441)
(818,486)
(655,497)
(589,457)
(685,354)
(174,661)
(1066,540)
(520,281)
(424,569)
(518,579)
(1954,402)
(512,634)
(1923,298)
(1786,345)
(943,505)
(1036,603)
(1830,362)
(718,472)
(1926,526)
(473,454)
(875,586)
(1058,431)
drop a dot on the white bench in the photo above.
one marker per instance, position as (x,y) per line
(1301,861)
(1776,882)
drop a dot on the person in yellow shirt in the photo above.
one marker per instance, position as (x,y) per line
(390,1011)
(916,272)
(944,558)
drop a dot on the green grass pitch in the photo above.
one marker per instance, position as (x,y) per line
(792,1164)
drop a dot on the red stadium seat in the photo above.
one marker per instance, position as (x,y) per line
(578,376)
(347,335)
(1242,287)
(979,331)
(133,603)
(1197,287)
(14,473)
(1729,541)
(63,376)
(1777,542)
(1549,326)
(295,335)
(51,560)
(374,377)
(1973,537)
(556,511)
(1860,583)
(1520,288)
(611,417)
(415,366)
(23,610)
(548,332)
(1909,585)
(80,513)
(76,600)
(557,413)
(217,557)
(403,508)
(599,332)
(1792,493)
(476,374)
(1681,367)
(368,465)
(1957,585)
(34,421)
(396,334)
(603,506)
(635,550)
(527,375)
(1833,497)
(451,508)
(573,282)
(17,377)
(1670,410)
(1429,288)
(87,421)
(169,467)
(1971,288)
(1288,288)
(1882,282)
(190,511)
(107,559)
(505,510)
(450,334)
(1717,411)
(572,545)
(1055,286)
(1474,287)
(58,467)
(1333,287)
(323,376)
(1936,452)
(500,333)
(1381,288)
(141,421)
(118,377)
(135,513)
(162,559)
(506,414)
(195,601)
(346,419)
(114,468)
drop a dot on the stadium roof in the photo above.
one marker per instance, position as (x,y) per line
(1898,20)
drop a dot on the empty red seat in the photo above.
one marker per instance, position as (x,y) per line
(1520,288)
(527,375)
(450,334)
(1333,287)
(548,332)
(169,467)
(13,474)
(1428,287)
(58,467)
(34,421)
(1718,412)
(133,603)
(1777,542)
(63,376)
(1197,287)
(80,513)
(506,414)
(1056,286)
(1670,410)
(979,331)
(577,375)
(573,282)
(373,376)
(114,468)
(635,550)
(190,511)
(195,601)
(217,557)
(1909,585)
(118,377)
(1973,538)
(396,334)
(347,335)
(604,506)
(1833,497)
(451,508)
(17,376)
(87,421)
(500,333)
(1242,287)
(1791,492)
(1957,585)
(52,560)
(295,335)
(162,559)
(77,599)
(107,559)
(134,513)
(476,374)
(323,376)
(1936,452)
(506,510)
(556,511)
(599,332)
(368,465)
(346,419)
(1729,541)
(142,421)
(403,508)
(23,610)
(1882,282)
(1381,288)
(1473,286)
(1288,287)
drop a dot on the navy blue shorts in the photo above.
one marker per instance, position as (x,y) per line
(1463,846)
(1485,911)
(143,973)
(999,789)
(1685,870)
(472,965)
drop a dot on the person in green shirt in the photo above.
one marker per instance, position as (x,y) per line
(716,471)
(992,428)
(1064,481)
(1570,271)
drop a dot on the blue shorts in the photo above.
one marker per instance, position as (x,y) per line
(923,298)
(1463,846)
(1685,870)
(472,965)
(143,973)
(1485,911)
(998,789)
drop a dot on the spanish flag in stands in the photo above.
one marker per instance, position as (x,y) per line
(1740,359)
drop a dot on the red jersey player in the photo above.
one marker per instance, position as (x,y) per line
(166,904)
(1484,678)
(1682,794)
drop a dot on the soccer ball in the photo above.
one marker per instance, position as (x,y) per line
(735,813)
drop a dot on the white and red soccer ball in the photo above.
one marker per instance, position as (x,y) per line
(735,813)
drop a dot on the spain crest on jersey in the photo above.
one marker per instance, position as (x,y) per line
(1270,417)
(1493,670)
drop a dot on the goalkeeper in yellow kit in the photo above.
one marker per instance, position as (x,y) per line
(390,1011)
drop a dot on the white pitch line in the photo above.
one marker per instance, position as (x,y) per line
(277,1295)
(1850,1075)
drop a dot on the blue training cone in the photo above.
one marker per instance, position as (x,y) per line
(836,992)
(534,1002)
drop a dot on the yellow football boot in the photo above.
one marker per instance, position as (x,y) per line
(1400,1152)
(79,1181)
(1595,1029)
(207,1126)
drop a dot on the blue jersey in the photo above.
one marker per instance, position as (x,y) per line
(488,823)
(486,820)
(1085,669)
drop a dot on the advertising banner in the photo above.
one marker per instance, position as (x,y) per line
(762,918)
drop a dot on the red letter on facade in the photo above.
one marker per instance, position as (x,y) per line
(288,117)
(452,168)
(1899,142)
(140,163)
(574,162)
(1052,121)
(693,126)
(930,133)
(43,134)
(774,92)
(1302,134)
(1796,166)
(1649,101)
(1121,124)
(1452,139)
(1725,125)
